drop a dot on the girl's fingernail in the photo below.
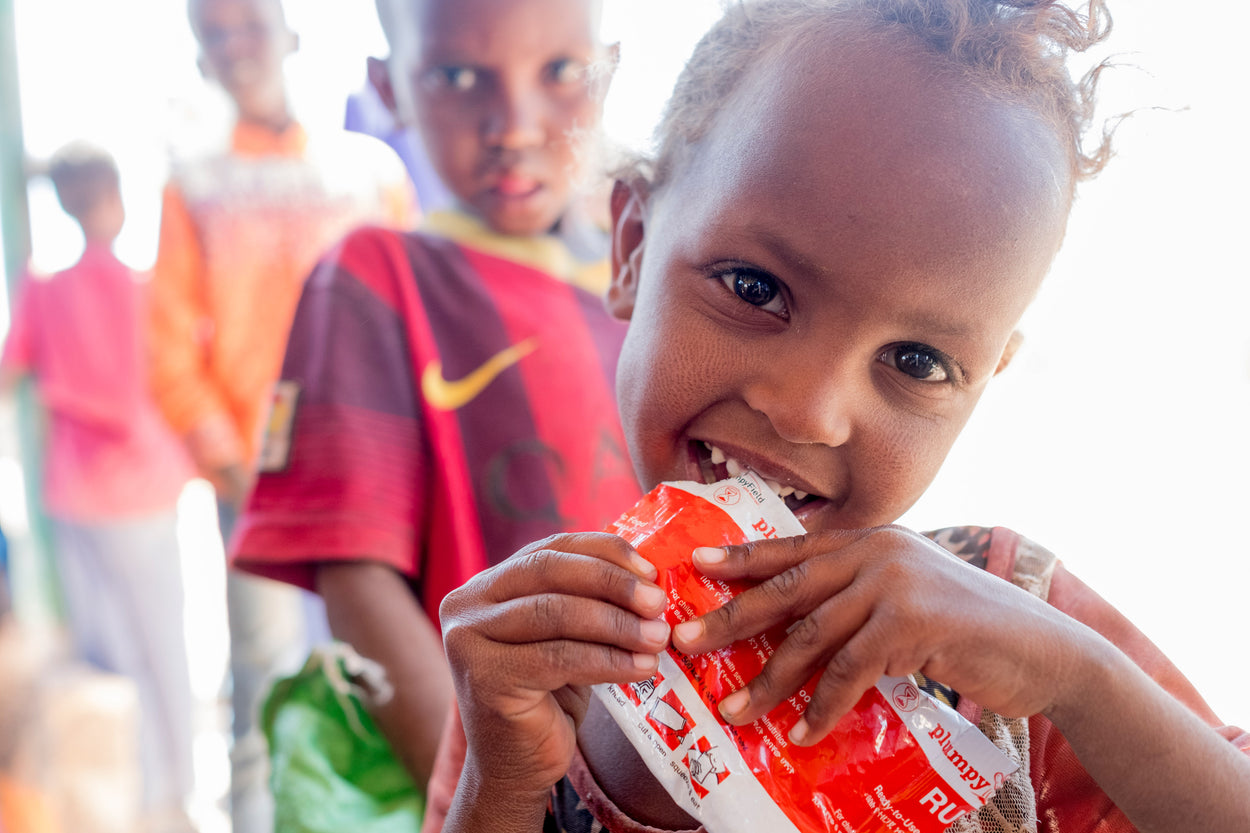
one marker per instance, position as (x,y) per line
(649,596)
(642,566)
(735,703)
(800,731)
(655,630)
(709,555)
(646,662)
(689,631)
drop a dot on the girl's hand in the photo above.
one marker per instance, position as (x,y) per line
(884,601)
(526,638)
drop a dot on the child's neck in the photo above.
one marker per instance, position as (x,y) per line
(275,122)
(95,240)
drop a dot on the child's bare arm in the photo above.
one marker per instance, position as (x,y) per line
(525,641)
(888,601)
(1160,764)
(370,606)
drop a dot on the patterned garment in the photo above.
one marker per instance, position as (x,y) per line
(240,231)
(440,407)
(1051,793)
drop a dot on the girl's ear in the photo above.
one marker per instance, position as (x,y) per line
(628,215)
(1013,344)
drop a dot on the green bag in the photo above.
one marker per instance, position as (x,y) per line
(331,769)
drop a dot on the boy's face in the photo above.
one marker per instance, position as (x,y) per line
(243,44)
(824,291)
(501,90)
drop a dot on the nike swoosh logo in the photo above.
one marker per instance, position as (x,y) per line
(448,395)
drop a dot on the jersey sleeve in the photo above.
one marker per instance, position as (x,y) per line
(342,454)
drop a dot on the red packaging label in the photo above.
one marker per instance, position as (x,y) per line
(899,762)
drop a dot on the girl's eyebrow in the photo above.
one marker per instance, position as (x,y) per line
(932,325)
(775,244)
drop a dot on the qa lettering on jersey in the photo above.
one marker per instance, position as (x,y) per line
(510,476)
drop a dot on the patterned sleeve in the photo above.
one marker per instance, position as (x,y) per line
(342,450)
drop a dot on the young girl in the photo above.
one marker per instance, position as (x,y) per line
(853,203)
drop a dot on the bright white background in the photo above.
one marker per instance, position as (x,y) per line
(1120,438)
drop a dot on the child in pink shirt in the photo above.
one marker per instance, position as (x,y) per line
(113,473)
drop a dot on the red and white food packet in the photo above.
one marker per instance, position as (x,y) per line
(899,762)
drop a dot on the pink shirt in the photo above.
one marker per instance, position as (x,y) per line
(109,453)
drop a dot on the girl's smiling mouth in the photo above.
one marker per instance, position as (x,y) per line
(715,464)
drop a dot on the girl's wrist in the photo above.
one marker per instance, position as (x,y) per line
(481,796)
(1093,670)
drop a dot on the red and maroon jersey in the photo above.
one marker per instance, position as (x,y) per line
(440,407)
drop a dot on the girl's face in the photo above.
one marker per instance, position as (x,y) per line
(824,291)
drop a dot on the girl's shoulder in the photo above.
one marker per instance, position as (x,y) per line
(1003,552)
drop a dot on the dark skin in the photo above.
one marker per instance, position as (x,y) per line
(371,607)
(500,91)
(243,44)
(890,277)
(495,111)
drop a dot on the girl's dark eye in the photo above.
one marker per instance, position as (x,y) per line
(918,362)
(566,71)
(456,79)
(756,288)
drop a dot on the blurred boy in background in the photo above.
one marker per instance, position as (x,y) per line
(113,475)
(240,230)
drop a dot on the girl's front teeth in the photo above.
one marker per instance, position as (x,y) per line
(734,468)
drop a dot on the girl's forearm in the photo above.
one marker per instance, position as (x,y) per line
(1161,765)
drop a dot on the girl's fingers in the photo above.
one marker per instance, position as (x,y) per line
(786,597)
(760,560)
(554,664)
(518,673)
(592,565)
(810,645)
(552,616)
(795,574)
(850,672)
(571,610)
(608,547)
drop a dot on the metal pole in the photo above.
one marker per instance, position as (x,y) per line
(34,587)
(15,214)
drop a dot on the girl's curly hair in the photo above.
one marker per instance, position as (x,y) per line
(1013,49)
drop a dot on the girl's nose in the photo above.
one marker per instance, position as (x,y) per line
(515,119)
(805,404)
